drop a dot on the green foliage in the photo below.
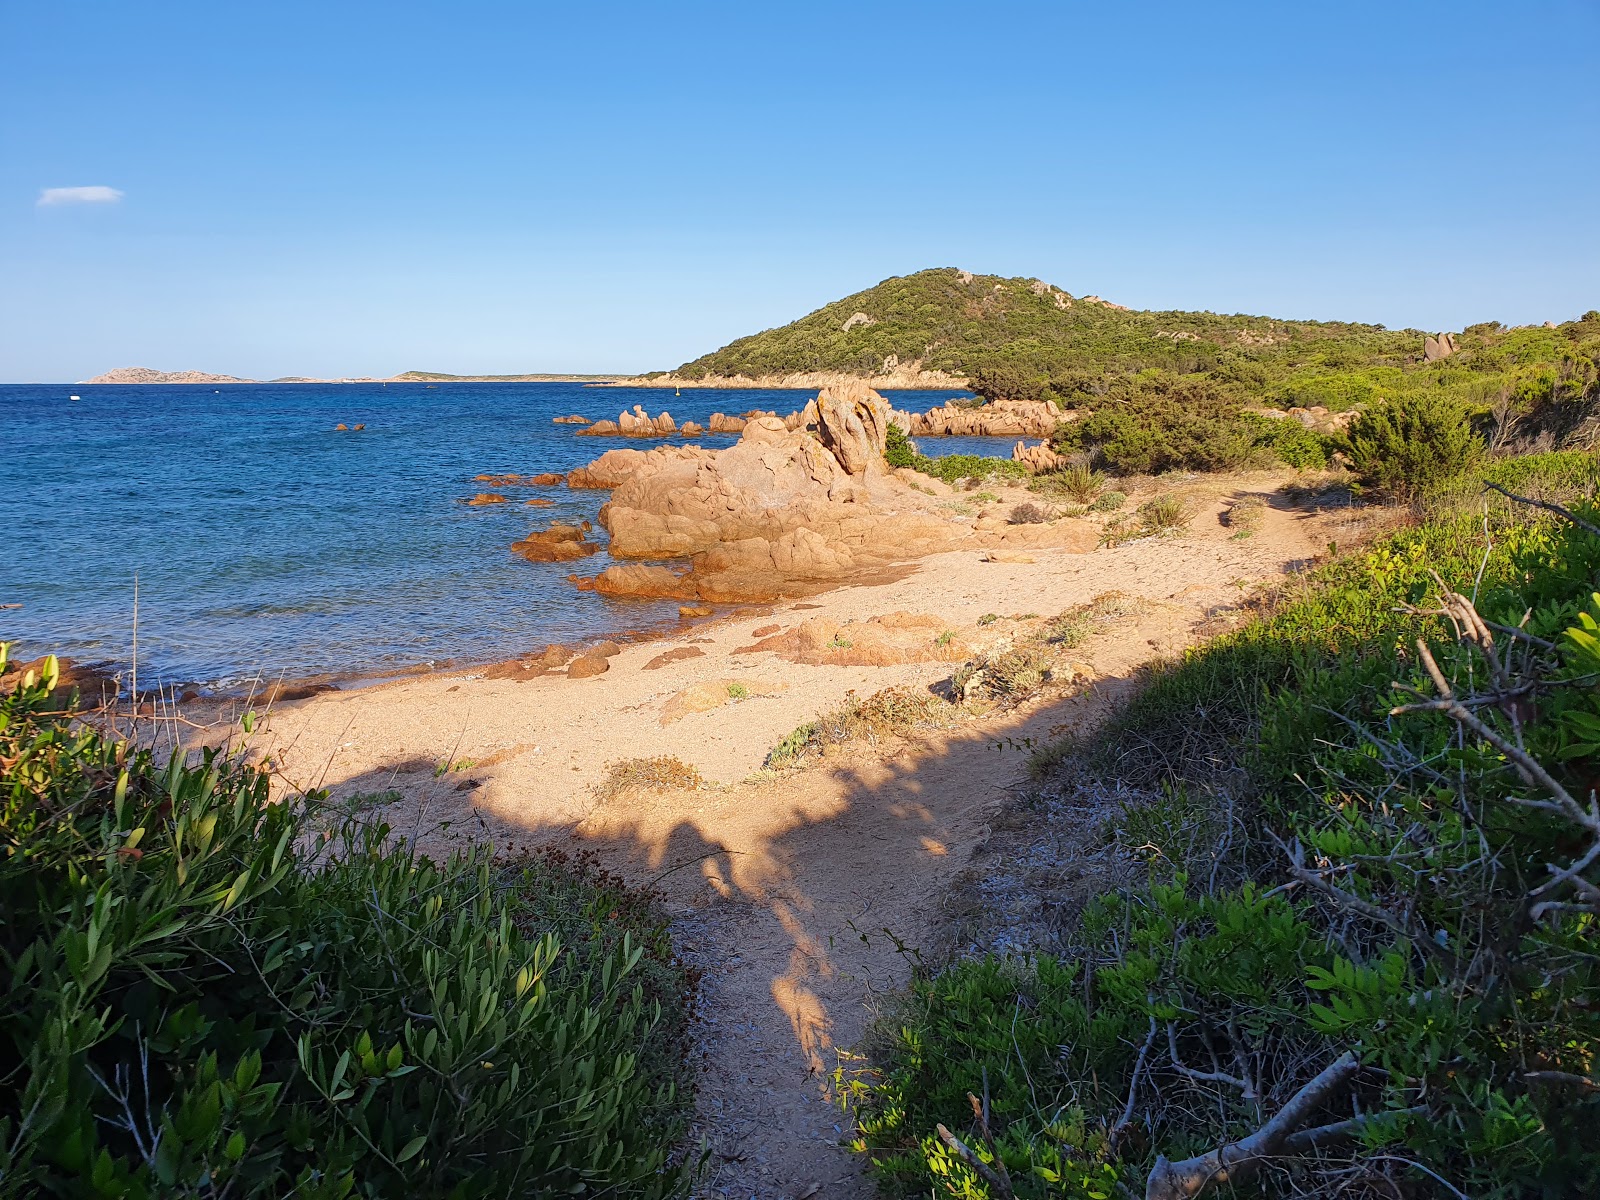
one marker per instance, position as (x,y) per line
(1108,502)
(899,450)
(1414,445)
(1405,900)
(207,994)
(1161,423)
(974,468)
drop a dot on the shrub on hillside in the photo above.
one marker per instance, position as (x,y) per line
(210,994)
(1412,445)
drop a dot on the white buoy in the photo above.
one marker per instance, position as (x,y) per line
(74,397)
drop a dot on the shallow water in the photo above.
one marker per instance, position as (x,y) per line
(265,544)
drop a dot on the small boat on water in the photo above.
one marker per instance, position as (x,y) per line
(74,397)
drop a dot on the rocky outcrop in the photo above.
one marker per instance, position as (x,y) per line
(637,423)
(778,513)
(483,498)
(1038,459)
(1436,347)
(889,640)
(1002,418)
(571,419)
(559,543)
(1316,418)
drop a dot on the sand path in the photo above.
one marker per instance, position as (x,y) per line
(802,896)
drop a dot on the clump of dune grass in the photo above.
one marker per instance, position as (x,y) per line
(663,773)
(892,712)
(1164,515)
(1080,622)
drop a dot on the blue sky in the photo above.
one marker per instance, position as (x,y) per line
(359,188)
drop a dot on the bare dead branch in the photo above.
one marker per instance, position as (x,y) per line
(1126,1119)
(1234,1163)
(1203,1076)
(970,1157)
(1547,506)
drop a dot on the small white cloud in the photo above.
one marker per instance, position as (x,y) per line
(78,195)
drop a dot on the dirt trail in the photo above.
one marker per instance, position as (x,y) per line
(805,896)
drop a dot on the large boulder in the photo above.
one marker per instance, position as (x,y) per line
(853,422)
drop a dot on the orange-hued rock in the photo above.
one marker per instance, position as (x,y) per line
(539,502)
(587,666)
(722,423)
(778,513)
(486,498)
(1065,533)
(633,579)
(685,611)
(1038,458)
(677,654)
(1008,418)
(713,694)
(559,543)
(521,669)
(691,429)
(547,479)
(888,640)
(555,656)
(637,423)
(573,419)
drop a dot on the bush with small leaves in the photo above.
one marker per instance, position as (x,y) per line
(1413,445)
(206,994)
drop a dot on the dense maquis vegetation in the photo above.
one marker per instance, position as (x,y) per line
(1159,391)
(1021,339)
(207,994)
(1374,891)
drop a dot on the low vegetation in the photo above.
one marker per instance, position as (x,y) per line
(662,773)
(210,994)
(1363,962)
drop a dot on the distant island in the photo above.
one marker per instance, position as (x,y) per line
(146,375)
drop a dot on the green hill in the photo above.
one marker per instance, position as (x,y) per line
(1023,338)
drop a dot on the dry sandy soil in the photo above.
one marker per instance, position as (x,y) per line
(804,894)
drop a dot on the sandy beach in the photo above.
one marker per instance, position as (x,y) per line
(798,892)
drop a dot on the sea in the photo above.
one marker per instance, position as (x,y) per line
(220,537)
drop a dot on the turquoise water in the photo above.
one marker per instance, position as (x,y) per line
(265,544)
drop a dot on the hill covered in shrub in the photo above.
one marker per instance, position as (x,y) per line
(1530,386)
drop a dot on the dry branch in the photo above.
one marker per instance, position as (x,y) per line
(1186,1179)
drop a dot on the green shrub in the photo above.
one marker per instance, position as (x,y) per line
(974,468)
(898,449)
(1164,514)
(207,995)
(1413,445)
(1294,444)
(1108,502)
(1165,424)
